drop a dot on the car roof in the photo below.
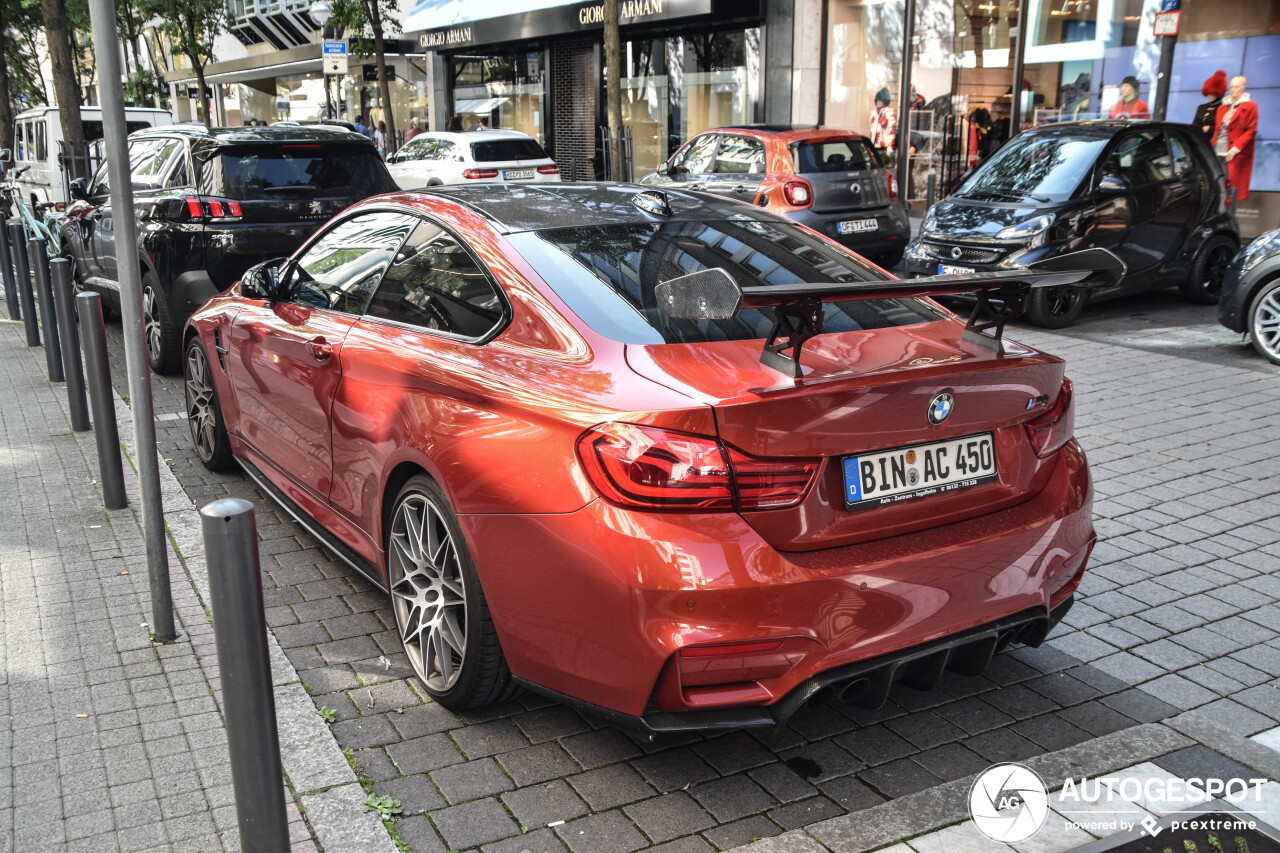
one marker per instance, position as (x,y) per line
(1105,127)
(276,133)
(533,207)
(788,132)
(474,135)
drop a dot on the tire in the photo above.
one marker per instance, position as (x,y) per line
(1204,284)
(441,615)
(204,413)
(1264,321)
(1055,307)
(164,349)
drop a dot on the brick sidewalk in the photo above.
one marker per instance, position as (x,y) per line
(1173,644)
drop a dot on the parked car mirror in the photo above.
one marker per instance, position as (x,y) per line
(262,281)
(77,189)
(1113,184)
(662,168)
(6,155)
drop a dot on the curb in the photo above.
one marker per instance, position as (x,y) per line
(322,783)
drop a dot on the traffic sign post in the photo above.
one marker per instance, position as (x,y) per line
(334,62)
(1165,28)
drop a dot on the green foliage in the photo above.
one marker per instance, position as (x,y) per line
(356,18)
(26,86)
(384,805)
(328,714)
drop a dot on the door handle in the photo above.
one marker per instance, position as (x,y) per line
(740,188)
(320,349)
(693,186)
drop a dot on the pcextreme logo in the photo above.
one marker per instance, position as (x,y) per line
(1010,802)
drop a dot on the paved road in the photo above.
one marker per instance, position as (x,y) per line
(1177,620)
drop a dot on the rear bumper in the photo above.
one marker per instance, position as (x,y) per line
(596,604)
(891,234)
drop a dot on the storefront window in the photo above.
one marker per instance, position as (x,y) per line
(646,103)
(500,90)
(717,79)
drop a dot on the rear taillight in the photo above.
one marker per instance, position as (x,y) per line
(651,468)
(214,208)
(797,193)
(891,183)
(1054,428)
(733,663)
(480,174)
(549,170)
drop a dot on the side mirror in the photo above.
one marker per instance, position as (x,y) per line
(262,281)
(662,168)
(6,155)
(1113,184)
(77,189)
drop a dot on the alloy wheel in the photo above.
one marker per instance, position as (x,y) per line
(1215,270)
(1063,300)
(428,592)
(1266,324)
(151,323)
(200,413)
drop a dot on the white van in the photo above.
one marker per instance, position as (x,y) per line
(37,140)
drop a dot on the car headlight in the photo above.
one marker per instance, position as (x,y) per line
(1032,228)
(930,220)
(1257,252)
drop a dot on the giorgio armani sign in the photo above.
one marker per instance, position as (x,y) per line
(558,20)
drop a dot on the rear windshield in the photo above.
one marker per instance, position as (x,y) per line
(607,275)
(845,155)
(507,149)
(296,171)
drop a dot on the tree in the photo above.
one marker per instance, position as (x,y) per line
(191,26)
(66,83)
(21,83)
(613,87)
(366,21)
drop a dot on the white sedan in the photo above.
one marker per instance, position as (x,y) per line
(433,159)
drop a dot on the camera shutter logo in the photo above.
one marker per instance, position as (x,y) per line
(1009,803)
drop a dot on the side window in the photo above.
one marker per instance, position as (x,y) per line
(181,173)
(42,145)
(699,157)
(1182,162)
(341,270)
(1141,159)
(434,283)
(22,140)
(740,155)
(148,173)
(101,184)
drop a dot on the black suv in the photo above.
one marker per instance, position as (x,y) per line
(209,205)
(1151,192)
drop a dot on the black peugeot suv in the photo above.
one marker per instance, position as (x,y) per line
(1153,193)
(210,204)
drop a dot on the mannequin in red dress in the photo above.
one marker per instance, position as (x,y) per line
(1234,130)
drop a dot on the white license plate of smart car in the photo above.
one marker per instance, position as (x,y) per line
(947,269)
(904,473)
(517,174)
(856,226)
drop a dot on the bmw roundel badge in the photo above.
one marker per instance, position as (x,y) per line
(941,408)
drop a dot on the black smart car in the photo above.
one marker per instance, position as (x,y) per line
(1251,295)
(1151,192)
(209,205)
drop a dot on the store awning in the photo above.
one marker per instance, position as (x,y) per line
(478,105)
(434,14)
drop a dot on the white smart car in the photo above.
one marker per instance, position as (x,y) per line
(433,159)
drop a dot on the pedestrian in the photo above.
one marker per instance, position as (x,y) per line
(413,130)
(360,126)
(454,125)
(481,124)
(380,139)
(1215,88)
(1234,131)
(884,122)
(1130,105)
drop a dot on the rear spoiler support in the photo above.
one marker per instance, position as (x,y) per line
(713,294)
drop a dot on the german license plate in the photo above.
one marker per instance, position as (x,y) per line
(947,269)
(889,476)
(517,174)
(856,226)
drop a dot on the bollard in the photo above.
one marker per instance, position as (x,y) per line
(932,191)
(248,698)
(22,278)
(63,301)
(39,259)
(93,339)
(6,269)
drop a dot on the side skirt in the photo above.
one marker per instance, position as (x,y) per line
(340,549)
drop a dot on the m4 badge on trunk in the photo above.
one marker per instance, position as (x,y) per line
(940,408)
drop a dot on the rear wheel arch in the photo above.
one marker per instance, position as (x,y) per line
(391,486)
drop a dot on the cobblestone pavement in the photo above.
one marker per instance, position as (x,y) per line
(1173,643)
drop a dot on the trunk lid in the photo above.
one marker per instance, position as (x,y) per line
(845,174)
(881,403)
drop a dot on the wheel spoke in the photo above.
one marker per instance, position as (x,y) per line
(451,632)
(443,655)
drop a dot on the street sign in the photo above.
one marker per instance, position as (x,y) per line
(1166,23)
(335,57)
(1169,5)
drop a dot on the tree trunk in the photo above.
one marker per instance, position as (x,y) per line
(613,88)
(202,107)
(66,87)
(6,111)
(384,85)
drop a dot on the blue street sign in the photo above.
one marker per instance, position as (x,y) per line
(1168,5)
(339,48)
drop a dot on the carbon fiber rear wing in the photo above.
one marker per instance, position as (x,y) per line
(798,313)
